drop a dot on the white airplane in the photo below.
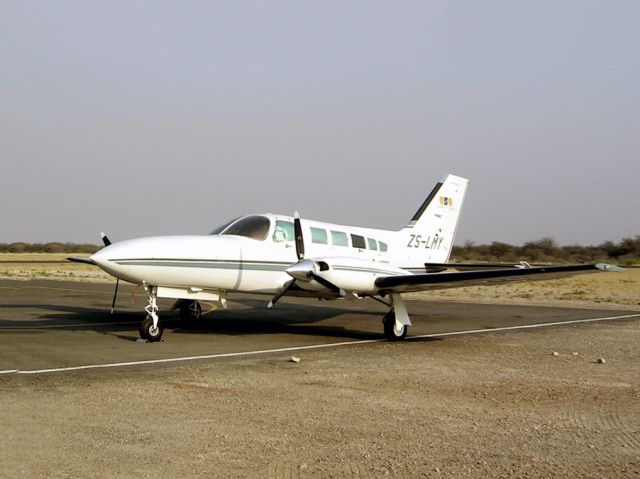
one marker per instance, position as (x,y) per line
(280,255)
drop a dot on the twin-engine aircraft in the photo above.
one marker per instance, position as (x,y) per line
(279,255)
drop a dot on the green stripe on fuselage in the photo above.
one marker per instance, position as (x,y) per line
(244,265)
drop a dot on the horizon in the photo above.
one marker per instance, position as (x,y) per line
(455,243)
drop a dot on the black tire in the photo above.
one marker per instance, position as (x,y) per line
(390,331)
(190,310)
(147,331)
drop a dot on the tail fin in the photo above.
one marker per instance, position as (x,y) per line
(429,235)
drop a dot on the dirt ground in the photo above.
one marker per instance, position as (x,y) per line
(518,404)
(495,405)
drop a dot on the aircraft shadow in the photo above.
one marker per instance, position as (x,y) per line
(245,317)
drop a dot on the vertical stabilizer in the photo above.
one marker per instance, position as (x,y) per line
(428,238)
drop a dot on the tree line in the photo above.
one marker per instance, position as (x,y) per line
(21,247)
(544,250)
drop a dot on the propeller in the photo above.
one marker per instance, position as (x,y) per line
(105,239)
(297,228)
(107,242)
(284,289)
(115,293)
(303,269)
(328,284)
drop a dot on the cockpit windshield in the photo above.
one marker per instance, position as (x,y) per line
(221,228)
(255,227)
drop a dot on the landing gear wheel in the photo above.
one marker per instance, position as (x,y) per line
(148,332)
(190,310)
(391,332)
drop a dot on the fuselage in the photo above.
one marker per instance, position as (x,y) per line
(252,254)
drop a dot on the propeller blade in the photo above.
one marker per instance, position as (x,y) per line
(115,293)
(82,260)
(105,239)
(327,284)
(297,228)
(284,289)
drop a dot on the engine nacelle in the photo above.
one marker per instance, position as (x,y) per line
(353,275)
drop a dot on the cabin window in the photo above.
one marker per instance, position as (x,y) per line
(358,241)
(383,246)
(284,231)
(338,238)
(254,227)
(318,235)
(372,244)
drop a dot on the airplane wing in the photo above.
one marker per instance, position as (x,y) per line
(458,279)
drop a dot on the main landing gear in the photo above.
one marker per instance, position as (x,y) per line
(151,329)
(189,310)
(393,331)
(396,322)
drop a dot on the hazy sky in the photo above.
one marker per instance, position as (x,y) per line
(154,117)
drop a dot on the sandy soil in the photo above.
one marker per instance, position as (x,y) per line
(50,266)
(512,404)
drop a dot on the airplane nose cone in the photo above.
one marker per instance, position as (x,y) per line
(103,258)
(112,259)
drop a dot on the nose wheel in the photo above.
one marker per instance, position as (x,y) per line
(150,332)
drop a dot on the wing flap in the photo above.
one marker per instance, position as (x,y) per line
(437,267)
(460,279)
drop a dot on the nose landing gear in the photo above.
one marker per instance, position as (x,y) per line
(150,328)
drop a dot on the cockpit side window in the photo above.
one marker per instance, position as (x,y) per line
(284,231)
(255,227)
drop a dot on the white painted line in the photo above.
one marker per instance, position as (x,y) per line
(192,358)
(314,346)
(525,326)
